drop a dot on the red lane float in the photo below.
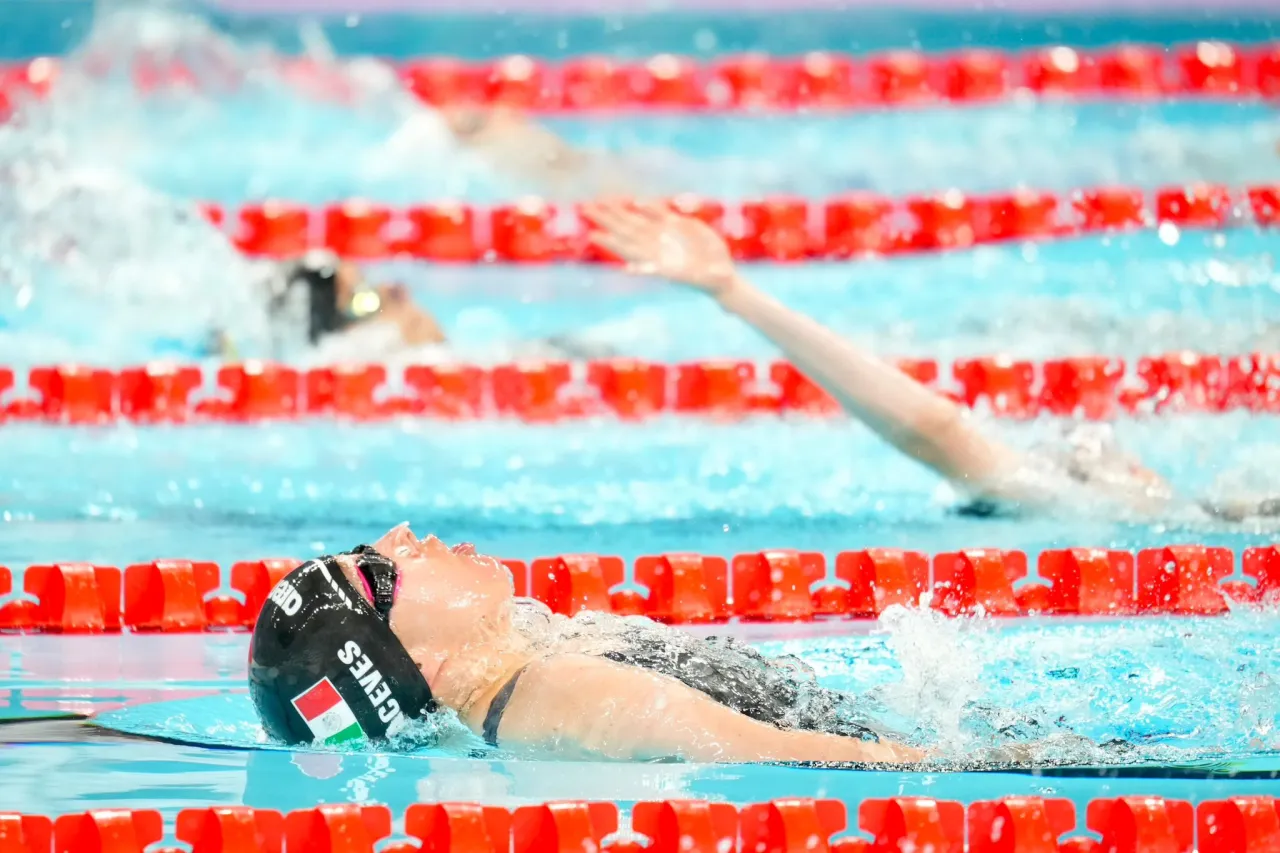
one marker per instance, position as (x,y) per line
(676,826)
(1239,825)
(913,823)
(571,583)
(1141,824)
(1086,387)
(1004,385)
(629,389)
(346,828)
(1015,824)
(563,827)
(25,833)
(275,229)
(777,229)
(1019,824)
(756,82)
(447,391)
(880,578)
(168,595)
(1088,581)
(107,831)
(684,588)
(357,229)
(1092,387)
(791,824)
(231,828)
(978,580)
(775,585)
(1183,579)
(459,826)
(157,393)
(74,598)
(1111,209)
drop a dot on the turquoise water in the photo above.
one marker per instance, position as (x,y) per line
(1180,688)
(42,27)
(231,494)
(899,152)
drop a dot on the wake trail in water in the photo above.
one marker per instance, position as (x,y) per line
(95,263)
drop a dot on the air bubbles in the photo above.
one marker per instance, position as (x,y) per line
(1169,233)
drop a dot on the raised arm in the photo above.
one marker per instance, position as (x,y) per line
(593,707)
(654,240)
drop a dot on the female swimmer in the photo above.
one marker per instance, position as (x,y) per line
(654,240)
(323,306)
(355,646)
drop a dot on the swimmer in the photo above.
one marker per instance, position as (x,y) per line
(1088,470)
(325,300)
(323,304)
(357,645)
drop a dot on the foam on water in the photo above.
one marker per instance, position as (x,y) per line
(97,263)
(1173,689)
(95,260)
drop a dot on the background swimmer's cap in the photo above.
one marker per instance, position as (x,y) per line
(323,668)
(305,295)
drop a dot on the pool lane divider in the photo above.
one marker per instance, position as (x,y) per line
(817,81)
(1130,824)
(778,585)
(1093,388)
(534,231)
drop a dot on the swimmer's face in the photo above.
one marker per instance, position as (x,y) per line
(447,598)
(348,281)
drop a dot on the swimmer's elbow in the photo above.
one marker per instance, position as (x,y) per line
(946,442)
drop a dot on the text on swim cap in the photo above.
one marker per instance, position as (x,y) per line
(377,689)
(286,598)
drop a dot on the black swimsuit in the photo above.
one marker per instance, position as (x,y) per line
(732,674)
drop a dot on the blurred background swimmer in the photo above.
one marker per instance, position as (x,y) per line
(323,308)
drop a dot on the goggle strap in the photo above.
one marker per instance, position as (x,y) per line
(381,573)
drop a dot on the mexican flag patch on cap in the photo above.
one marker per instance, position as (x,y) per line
(327,714)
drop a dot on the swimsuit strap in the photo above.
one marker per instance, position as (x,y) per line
(493,717)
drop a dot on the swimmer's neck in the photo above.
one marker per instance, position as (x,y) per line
(468,679)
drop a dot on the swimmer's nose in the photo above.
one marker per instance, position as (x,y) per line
(400,537)
(464,549)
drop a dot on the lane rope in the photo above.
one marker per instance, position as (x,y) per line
(1088,387)
(777,585)
(780,228)
(816,81)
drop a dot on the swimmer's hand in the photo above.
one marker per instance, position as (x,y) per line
(652,239)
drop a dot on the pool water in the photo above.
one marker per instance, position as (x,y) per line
(1184,690)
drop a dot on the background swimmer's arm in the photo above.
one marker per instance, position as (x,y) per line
(577,703)
(525,150)
(920,423)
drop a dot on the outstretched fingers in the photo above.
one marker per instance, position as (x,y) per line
(656,212)
(616,219)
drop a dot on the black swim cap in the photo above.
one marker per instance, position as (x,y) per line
(312,280)
(324,666)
